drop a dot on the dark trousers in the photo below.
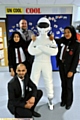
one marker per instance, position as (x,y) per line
(24,112)
(67,86)
(29,67)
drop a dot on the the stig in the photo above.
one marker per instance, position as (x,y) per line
(43,48)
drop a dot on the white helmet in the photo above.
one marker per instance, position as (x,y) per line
(43,25)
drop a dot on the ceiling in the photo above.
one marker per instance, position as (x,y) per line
(40,2)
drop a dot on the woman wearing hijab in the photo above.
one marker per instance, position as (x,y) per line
(67,60)
(17,52)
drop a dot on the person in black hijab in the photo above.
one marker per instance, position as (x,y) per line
(67,60)
(17,52)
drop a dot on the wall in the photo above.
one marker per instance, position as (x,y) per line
(2,11)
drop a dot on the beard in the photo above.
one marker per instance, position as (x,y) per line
(21,76)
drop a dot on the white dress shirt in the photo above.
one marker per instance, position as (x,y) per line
(23,58)
(22,86)
(61,54)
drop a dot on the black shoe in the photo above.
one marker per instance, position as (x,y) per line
(35,114)
(62,104)
(68,107)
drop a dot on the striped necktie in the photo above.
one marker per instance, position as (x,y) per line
(19,56)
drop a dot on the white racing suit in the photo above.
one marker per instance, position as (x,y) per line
(42,48)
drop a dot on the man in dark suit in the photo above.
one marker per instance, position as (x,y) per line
(23,94)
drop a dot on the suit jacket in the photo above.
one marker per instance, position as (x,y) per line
(14,92)
(71,57)
(12,55)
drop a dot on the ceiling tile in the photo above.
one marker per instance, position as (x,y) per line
(41,2)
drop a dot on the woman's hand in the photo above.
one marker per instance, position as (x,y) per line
(12,72)
(51,37)
(70,74)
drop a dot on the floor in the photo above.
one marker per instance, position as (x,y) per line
(59,113)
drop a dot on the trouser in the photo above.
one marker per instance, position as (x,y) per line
(67,86)
(24,112)
(29,67)
(46,69)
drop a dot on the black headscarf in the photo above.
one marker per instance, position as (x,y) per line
(73,38)
(16,44)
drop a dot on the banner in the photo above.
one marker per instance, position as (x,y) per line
(14,10)
(39,10)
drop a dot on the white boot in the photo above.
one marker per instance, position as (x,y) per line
(50,104)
